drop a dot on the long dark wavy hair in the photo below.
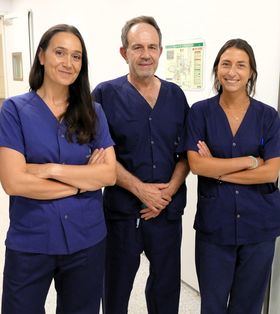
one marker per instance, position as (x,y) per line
(80,116)
(242,45)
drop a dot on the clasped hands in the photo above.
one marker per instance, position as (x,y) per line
(155,196)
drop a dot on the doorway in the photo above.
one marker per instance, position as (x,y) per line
(16,52)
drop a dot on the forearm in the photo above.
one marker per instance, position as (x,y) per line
(28,185)
(127,180)
(214,167)
(179,175)
(267,173)
(99,172)
(85,177)
(16,180)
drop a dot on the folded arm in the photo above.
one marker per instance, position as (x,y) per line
(235,170)
(215,167)
(266,173)
(17,181)
(99,172)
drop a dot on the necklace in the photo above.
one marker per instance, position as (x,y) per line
(236,118)
(238,113)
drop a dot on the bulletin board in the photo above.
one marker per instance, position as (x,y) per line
(184,64)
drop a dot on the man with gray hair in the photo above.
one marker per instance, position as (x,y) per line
(147,121)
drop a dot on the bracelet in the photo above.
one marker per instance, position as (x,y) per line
(78,192)
(255,162)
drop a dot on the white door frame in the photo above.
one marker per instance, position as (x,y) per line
(7,20)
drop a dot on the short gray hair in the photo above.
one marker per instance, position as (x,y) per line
(140,19)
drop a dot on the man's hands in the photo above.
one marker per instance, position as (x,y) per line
(155,197)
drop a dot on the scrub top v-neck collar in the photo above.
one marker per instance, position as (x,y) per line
(47,108)
(226,121)
(139,95)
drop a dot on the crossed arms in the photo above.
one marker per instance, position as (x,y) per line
(51,180)
(235,170)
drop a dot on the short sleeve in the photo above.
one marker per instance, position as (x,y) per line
(103,138)
(182,138)
(11,134)
(271,137)
(97,94)
(195,127)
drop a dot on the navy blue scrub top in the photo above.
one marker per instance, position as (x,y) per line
(60,226)
(147,140)
(233,213)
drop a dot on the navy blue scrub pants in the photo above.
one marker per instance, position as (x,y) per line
(233,279)
(160,239)
(78,281)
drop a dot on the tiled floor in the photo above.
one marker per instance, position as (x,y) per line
(189,302)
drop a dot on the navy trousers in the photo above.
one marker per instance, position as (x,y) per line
(78,281)
(160,239)
(233,279)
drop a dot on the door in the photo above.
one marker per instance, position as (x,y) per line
(18,51)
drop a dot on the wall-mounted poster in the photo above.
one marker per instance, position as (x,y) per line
(184,64)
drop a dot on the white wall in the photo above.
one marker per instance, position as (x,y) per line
(2,80)
(214,21)
(5,6)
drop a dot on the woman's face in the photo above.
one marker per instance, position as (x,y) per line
(234,71)
(62,59)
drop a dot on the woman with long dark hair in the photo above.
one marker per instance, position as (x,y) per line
(55,154)
(234,148)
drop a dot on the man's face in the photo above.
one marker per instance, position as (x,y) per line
(143,51)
